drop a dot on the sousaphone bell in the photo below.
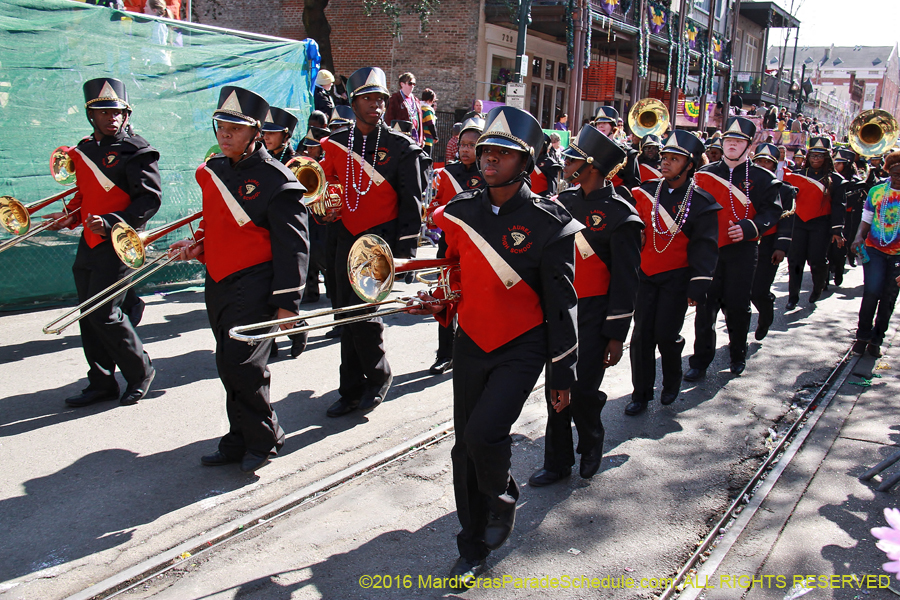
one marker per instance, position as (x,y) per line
(648,116)
(873,132)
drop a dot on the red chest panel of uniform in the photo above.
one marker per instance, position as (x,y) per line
(674,254)
(497,306)
(232,242)
(361,212)
(591,273)
(538,181)
(99,195)
(811,200)
(648,172)
(736,206)
(616,180)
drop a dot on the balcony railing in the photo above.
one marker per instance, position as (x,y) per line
(763,85)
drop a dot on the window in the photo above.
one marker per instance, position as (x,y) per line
(549,70)
(627,87)
(560,101)
(546,117)
(502,72)
(620,85)
(561,72)
(751,53)
(703,5)
(535,101)
(536,65)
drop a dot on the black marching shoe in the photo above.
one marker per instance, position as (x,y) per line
(874,350)
(635,407)
(441,366)
(253,460)
(334,332)
(372,397)
(342,407)
(217,459)
(543,477)
(299,340)
(694,374)
(791,304)
(839,277)
(814,296)
(590,463)
(859,347)
(136,391)
(738,366)
(464,573)
(89,396)
(499,527)
(667,397)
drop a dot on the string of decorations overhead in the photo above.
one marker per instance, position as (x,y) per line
(570,34)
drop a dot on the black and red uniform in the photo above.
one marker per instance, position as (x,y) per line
(753,204)
(674,268)
(384,198)
(545,177)
(628,177)
(119,181)
(776,238)
(818,216)
(455,178)
(519,313)
(648,170)
(255,247)
(855,192)
(607,259)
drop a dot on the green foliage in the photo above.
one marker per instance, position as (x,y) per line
(394,9)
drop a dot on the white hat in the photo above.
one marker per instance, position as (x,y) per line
(324,78)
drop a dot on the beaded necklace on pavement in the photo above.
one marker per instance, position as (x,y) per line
(350,175)
(679,221)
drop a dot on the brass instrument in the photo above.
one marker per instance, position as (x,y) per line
(131,248)
(15,216)
(323,199)
(873,132)
(648,116)
(372,270)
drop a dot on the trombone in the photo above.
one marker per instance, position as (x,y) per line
(648,116)
(15,217)
(131,247)
(873,132)
(372,270)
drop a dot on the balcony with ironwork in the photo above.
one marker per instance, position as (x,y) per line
(755,87)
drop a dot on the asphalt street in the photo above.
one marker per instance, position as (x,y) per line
(92,492)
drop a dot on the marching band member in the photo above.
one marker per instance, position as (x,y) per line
(455,178)
(545,177)
(678,260)
(855,192)
(118,181)
(648,160)
(749,197)
(607,259)
(382,175)
(818,219)
(607,121)
(774,245)
(714,149)
(253,240)
(516,253)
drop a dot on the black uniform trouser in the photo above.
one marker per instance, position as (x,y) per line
(107,335)
(761,296)
(242,298)
(331,239)
(489,390)
(317,260)
(730,289)
(445,334)
(851,225)
(809,244)
(587,401)
(658,318)
(364,365)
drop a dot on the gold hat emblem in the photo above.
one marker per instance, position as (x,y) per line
(231,103)
(373,79)
(269,118)
(736,126)
(108,92)
(517,237)
(499,124)
(250,188)
(672,141)
(819,144)
(596,220)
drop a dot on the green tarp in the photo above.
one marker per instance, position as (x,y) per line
(49,48)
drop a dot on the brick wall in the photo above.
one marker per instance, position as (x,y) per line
(443,58)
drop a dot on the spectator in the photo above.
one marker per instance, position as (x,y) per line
(322,97)
(478,106)
(317,119)
(796,131)
(761,110)
(561,123)
(452,144)
(737,102)
(555,153)
(429,120)
(403,106)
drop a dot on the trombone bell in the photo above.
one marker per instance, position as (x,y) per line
(61,166)
(873,132)
(370,268)
(14,216)
(128,246)
(648,116)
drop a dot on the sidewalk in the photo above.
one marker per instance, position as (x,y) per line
(816,520)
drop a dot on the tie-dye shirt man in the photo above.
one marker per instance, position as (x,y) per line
(882,212)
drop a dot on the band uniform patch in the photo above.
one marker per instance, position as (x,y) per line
(474,182)
(111,160)
(382,156)
(249,190)
(596,220)
(517,240)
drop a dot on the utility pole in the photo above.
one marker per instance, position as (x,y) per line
(735,15)
(682,23)
(524,22)
(701,123)
(582,20)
